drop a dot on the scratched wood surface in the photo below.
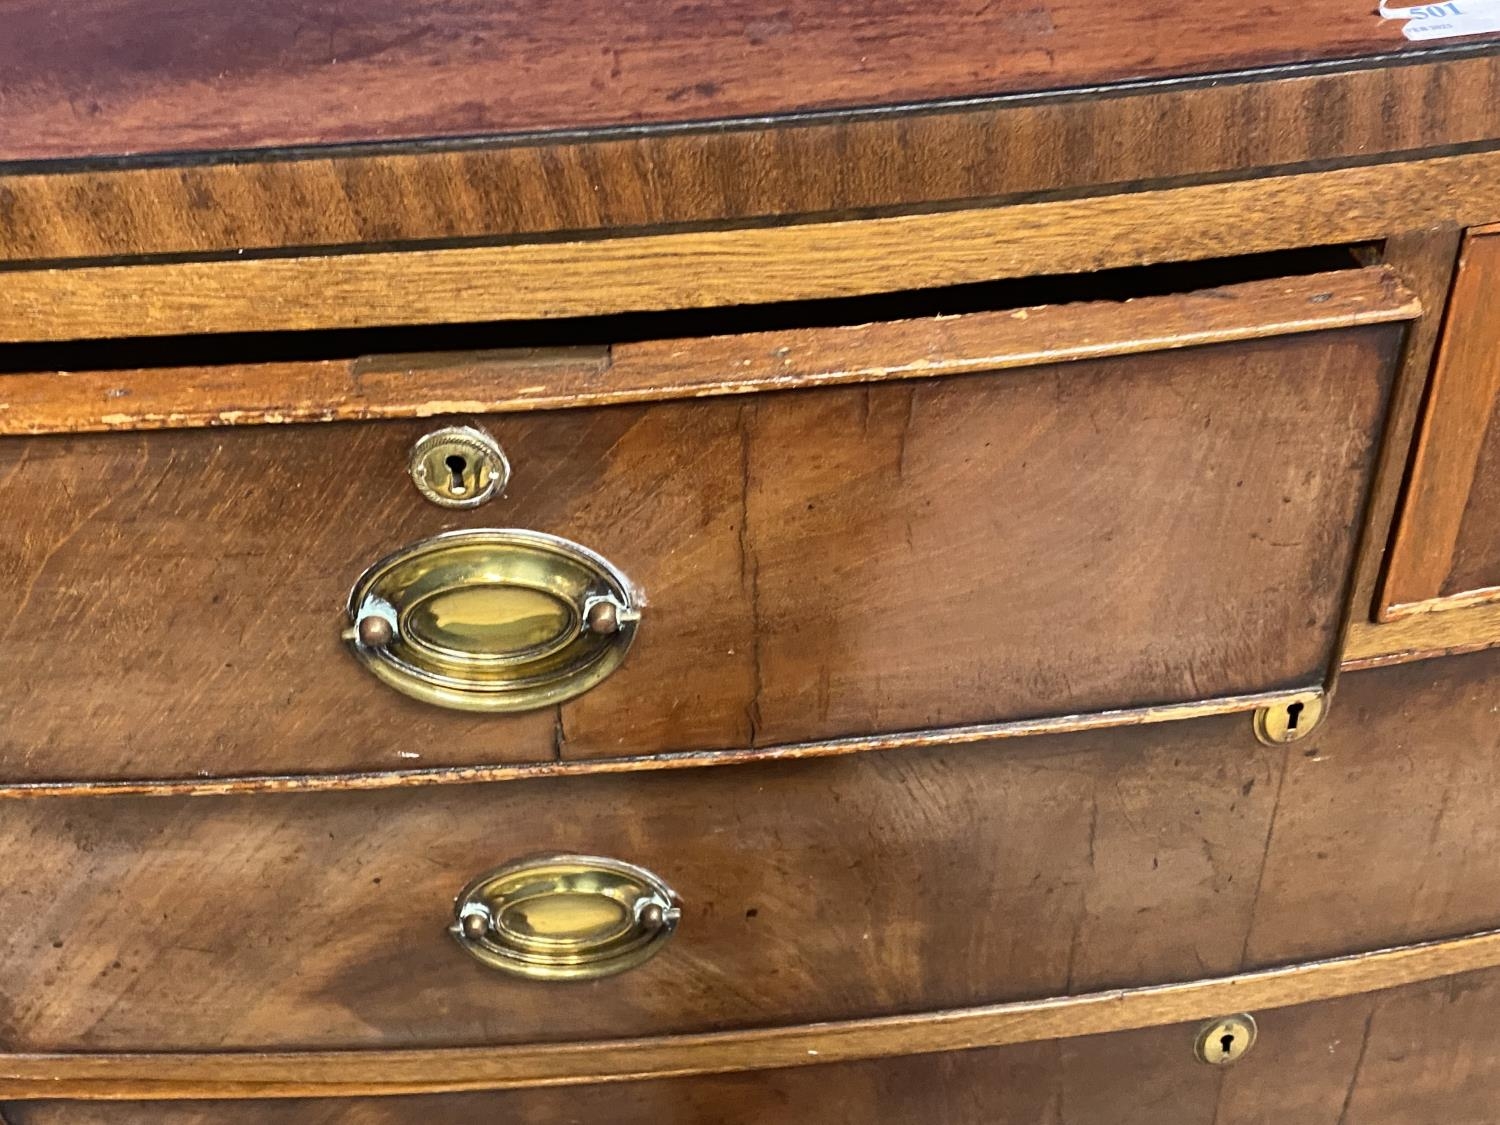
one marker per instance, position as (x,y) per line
(855,886)
(822,563)
(1406,1056)
(149,76)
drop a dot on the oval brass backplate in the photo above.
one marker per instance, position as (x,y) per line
(458,467)
(492,619)
(565,917)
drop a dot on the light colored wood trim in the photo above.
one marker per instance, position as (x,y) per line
(1425,260)
(478,383)
(1371,644)
(341,1073)
(691,759)
(1482,596)
(1461,400)
(746,265)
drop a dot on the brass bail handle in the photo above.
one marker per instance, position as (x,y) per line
(565,917)
(492,619)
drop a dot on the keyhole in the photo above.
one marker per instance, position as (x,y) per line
(1293,715)
(1225,1040)
(456,466)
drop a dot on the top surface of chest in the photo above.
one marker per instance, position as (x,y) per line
(123,77)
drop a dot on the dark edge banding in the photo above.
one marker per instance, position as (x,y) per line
(851,114)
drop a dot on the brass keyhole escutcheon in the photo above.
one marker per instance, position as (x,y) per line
(1225,1040)
(458,467)
(1290,720)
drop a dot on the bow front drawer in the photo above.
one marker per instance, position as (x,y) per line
(764,895)
(1417,1053)
(786,538)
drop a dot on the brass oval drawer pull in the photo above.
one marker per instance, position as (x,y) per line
(492,619)
(565,917)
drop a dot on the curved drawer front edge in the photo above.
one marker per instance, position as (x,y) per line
(826,748)
(182,1075)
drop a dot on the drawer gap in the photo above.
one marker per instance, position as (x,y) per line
(604,331)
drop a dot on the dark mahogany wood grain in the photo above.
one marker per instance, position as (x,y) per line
(822,563)
(1414,1055)
(834,888)
(145,76)
(990,151)
(862,885)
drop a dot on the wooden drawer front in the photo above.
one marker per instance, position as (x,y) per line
(1417,1055)
(1446,552)
(842,887)
(1104,534)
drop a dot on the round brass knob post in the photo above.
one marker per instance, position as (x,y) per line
(375,631)
(475,925)
(652,916)
(604,618)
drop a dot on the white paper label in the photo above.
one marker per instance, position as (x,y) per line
(1446,20)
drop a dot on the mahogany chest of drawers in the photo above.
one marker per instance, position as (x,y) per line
(769,564)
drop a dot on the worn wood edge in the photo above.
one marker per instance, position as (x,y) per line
(1483,596)
(745,265)
(1352,598)
(691,759)
(1422,636)
(1427,260)
(273,1074)
(422,386)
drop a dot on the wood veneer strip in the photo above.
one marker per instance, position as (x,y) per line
(428,385)
(918,157)
(898,740)
(1426,261)
(171,1075)
(724,267)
